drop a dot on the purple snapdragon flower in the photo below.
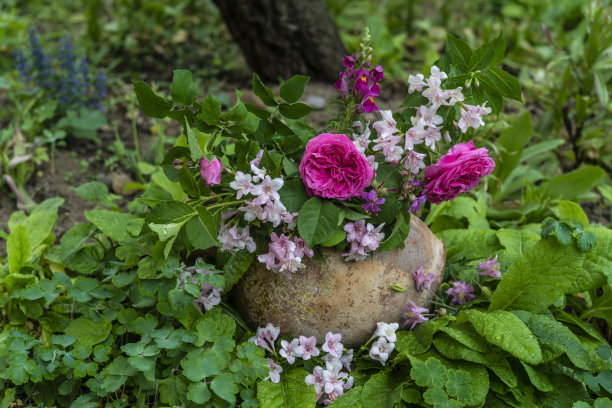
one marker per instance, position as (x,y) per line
(461,293)
(423,279)
(414,314)
(361,83)
(490,267)
(372,203)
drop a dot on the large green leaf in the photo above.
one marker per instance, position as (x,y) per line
(570,185)
(183,89)
(18,248)
(317,221)
(293,195)
(292,89)
(538,277)
(508,332)
(511,143)
(88,332)
(290,392)
(113,224)
(597,267)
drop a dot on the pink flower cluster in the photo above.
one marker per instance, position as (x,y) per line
(382,348)
(210,295)
(363,239)
(330,382)
(232,240)
(267,205)
(362,83)
(285,255)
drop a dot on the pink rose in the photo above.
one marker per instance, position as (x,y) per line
(211,171)
(457,172)
(332,167)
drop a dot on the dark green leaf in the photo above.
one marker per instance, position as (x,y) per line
(263,92)
(293,195)
(295,111)
(152,104)
(292,89)
(317,221)
(183,89)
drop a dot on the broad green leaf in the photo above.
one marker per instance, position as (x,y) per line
(481,57)
(290,392)
(152,104)
(398,235)
(292,89)
(516,242)
(183,89)
(565,392)
(418,340)
(93,191)
(569,209)
(508,332)
(466,335)
(570,185)
(293,195)
(202,230)
(194,146)
(458,385)
(198,392)
(376,391)
(511,143)
(236,267)
(172,391)
(295,110)
(430,373)
(18,248)
(538,277)
(459,52)
(224,386)
(597,267)
(317,221)
(507,84)
(113,224)
(471,244)
(339,236)
(88,332)
(263,92)
(538,379)
(350,399)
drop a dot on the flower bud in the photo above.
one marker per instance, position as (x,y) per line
(442,312)
(211,171)
(486,291)
(397,288)
(177,162)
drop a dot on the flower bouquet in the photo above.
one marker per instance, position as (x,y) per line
(252,186)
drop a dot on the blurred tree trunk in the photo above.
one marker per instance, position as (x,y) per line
(282,38)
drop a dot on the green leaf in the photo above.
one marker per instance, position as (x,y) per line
(537,278)
(292,89)
(225,387)
(198,393)
(376,390)
(458,385)
(295,110)
(152,104)
(538,379)
(93,191)
(263,92)
(183,89)
(113,224)
(508,332)
(202,231)
(511,143)
(172,391)
(293,195)
(430,373)
(437,397)
(350,399)
(236,267)
(507,84)
(88,332)
(194,147)
(569,209)
(317,221)
(290,392)
(418,340)
(398,235)
(339,236)
(499,45)
(18,248)
(459,52)
(570,185)
(481,58)
(601,88)
(597,263)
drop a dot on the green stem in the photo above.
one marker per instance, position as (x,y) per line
(348,115)
(220,205)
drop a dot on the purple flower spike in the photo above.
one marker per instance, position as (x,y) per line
(372,203)
(414,314)
(415,207)
(461,293)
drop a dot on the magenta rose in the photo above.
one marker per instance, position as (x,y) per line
(332,167)
(456,172)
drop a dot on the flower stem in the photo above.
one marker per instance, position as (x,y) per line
(225,204)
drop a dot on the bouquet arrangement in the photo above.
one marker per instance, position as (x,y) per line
(264,182)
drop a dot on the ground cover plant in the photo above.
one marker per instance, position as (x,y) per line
(131,305)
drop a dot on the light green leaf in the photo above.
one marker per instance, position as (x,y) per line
(290,392)
(113,224)
(537,278)
(376,391)
(224,386)
(202,231)
(508,332)
(198,393)
(570,185)
(350,399)
(538,379)
(88,332)
(18,248)
(430,373)
(194,147)
(317,221)
(511,143)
